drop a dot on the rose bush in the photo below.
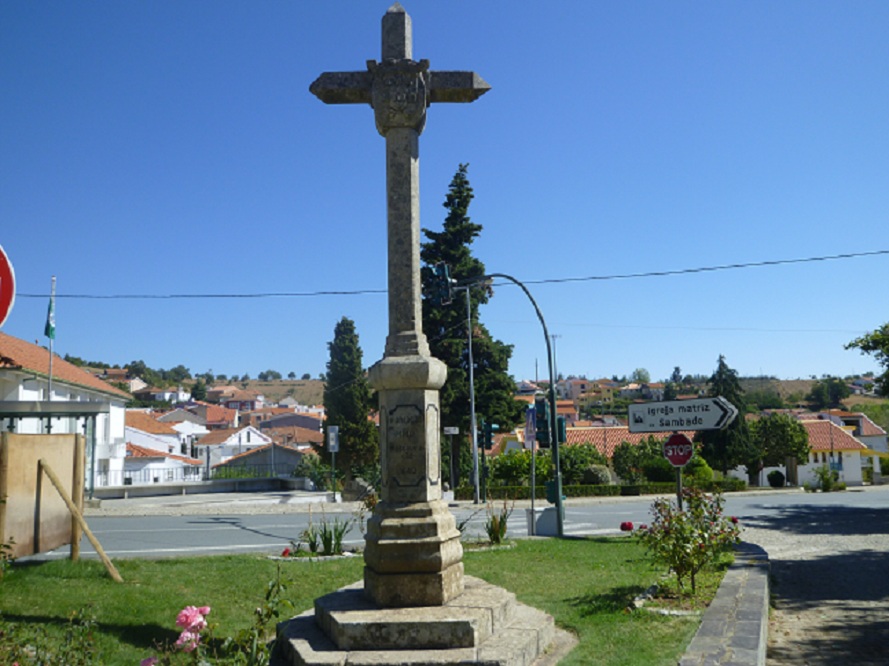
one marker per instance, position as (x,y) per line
(685,540)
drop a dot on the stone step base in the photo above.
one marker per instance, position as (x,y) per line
(485,625)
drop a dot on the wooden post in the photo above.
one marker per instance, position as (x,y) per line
(77,484)
(4,471)
(78,516)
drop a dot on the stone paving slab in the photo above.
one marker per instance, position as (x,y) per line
(734,629)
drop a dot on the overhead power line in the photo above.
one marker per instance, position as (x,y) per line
(360,292)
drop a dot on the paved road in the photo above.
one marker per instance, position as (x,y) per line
(830,590)
(267,522)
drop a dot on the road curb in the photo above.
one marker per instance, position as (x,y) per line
(734,629)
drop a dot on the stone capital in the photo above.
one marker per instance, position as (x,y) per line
(399,94)
(408,372)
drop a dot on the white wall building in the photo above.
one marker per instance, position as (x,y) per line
(24,378)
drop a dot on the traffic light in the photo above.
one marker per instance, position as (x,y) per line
(541,408)
(488,436)
(563,429)
(442,288)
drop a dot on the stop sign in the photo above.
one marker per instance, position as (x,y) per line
(7,286)
(678,449)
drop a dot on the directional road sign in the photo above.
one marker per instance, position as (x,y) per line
(699,414)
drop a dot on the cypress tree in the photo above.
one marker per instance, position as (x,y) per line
(445,327)
(347,402)
(726,449)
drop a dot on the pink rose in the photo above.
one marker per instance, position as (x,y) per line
(188,641)
(191,618)
(148,661)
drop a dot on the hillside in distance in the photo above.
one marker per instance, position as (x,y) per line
(304,391)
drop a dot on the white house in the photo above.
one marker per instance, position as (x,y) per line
(142,429)
(24,378)
(229,442)
(829,444)
(189,434)
(148,466)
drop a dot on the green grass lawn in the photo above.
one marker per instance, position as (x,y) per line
(585,584)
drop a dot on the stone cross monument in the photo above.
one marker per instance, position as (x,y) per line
(413,555)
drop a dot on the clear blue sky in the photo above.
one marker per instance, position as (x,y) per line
(173,148)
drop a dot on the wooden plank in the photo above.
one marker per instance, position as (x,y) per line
(78,516)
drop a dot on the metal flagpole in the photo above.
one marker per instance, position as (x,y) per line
(50,332)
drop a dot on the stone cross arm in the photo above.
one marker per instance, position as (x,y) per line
(356,87)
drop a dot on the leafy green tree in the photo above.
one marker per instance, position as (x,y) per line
(347,400)
(146,374)
(676,377)
(445,327)
(779,437)
(291,375)
(670,391)
(641,376)
(627,463)
(766,398)
(828,393)
(306,376)
(727,448)
(876,343)
(199,389)
(575,460)
(177,374)
(269,375)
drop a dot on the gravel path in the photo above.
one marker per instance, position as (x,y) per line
(830,574)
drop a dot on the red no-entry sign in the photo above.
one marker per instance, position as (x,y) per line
(7,286)
(678,449)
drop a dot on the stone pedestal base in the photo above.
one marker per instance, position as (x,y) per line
(484,625)
(413,555)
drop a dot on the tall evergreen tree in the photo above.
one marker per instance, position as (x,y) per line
(347,401)
(732,446)
(445,325)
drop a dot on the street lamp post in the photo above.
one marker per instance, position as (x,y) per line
(553,432)
(473,429)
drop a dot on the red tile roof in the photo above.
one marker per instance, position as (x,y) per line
(608,438)
(136,451)
(17,354)
(869,428)
(827,436)
(145,422)
(295,435)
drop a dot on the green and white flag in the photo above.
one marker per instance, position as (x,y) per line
(50,330)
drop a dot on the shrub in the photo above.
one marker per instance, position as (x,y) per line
(827,479)
(685,540)
(495,524)
(597,475)
(316,471)
(697,472)
(776,478)
(728,484)
(658,470)
(575,460)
